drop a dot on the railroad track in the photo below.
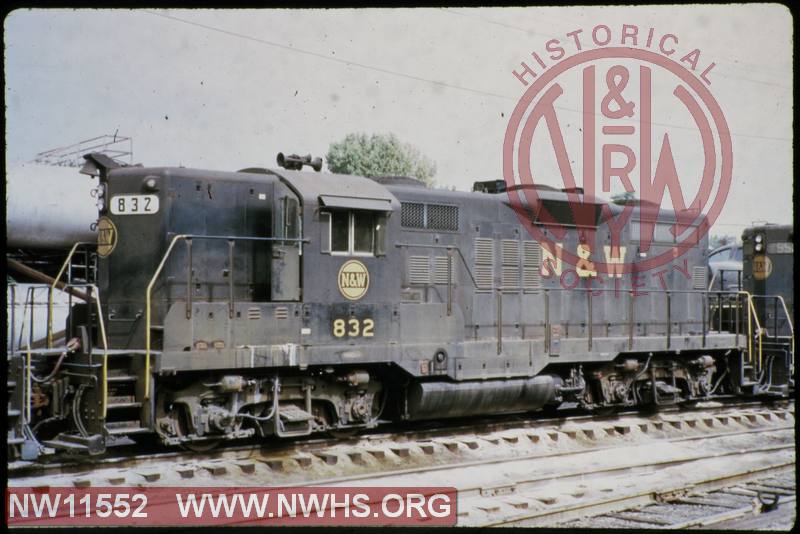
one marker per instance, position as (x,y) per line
(466,451)
(130,456)
(746,505)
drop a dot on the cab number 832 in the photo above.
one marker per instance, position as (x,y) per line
(353,327)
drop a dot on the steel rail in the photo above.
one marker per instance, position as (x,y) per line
(647,497)
(494,461)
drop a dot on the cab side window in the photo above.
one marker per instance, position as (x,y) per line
(363,232)
(340,231)
(353,232)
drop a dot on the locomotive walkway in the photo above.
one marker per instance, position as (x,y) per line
(527,473)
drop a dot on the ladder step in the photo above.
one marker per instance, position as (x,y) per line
(123,405)
(11,384)
(293,414)
(15,441)
(14,413)
(93,444)
(121,378)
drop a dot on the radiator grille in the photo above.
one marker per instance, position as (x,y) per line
(254,313)
(509,253)
(429,216)
(281,312)
(440,270)
(484,263)
(699,277)
(412,215)
(441,217)
(531,262)
(419,271)
(510,278)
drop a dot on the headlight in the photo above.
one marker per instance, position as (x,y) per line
(99,193)
(759,247)
(759,238)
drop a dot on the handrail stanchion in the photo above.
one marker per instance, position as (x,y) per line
(449,282)
(775,316)
(589,319)
(788,322)
(104,339)
(189,278)
(704,308)
(547,340)
(499,320)
(28,384)
(32,300)
(669,320)
(736,312)
(231,244)
(49,317)
(631,311)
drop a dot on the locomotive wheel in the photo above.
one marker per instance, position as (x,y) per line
(182,430)
(201,446)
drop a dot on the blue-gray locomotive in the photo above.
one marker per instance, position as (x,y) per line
(284,302)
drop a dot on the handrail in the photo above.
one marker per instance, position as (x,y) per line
(722,272)
(713,278)
(498,290)
(160,267)
(53,286)
(789,321)
(448,248)
(147,312)
(780,299)
(752,315)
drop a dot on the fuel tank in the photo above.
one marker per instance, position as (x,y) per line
(49,207)
(429,400)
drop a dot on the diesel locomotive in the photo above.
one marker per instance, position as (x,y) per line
(275,303)
(768,273)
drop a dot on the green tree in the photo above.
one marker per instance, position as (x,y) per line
(379,155)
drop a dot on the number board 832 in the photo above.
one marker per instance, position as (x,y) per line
(353,327)
(134,204)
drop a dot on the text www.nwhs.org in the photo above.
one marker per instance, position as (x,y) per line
(210,506)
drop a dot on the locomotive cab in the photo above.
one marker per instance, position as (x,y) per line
(218,239)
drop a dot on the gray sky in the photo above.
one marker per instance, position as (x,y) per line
(199,97)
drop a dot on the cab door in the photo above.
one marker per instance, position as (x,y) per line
(285,255)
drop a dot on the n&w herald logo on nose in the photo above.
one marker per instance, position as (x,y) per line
(353,280)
